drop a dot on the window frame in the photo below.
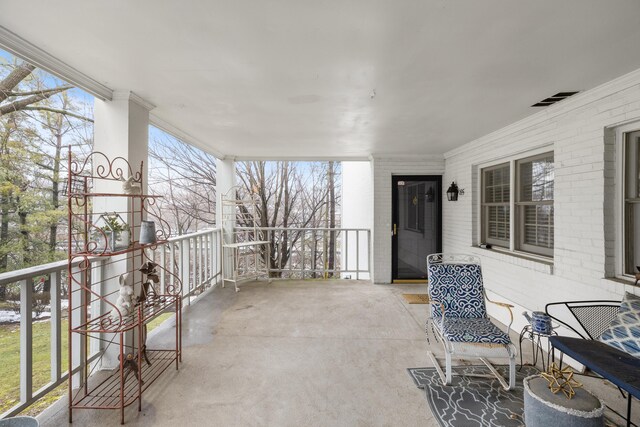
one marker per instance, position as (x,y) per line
(620,202)
(485,205)
(514,231)
(520,207)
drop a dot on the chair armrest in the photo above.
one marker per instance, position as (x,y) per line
(507,306)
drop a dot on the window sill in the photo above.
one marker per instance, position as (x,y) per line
(539,264)
(623,283)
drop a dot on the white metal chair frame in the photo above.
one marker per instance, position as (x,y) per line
(464,350)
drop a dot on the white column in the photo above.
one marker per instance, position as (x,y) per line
(357,212)
(121,130)
(225,180)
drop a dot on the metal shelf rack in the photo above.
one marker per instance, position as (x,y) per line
(246,251)
(94,318)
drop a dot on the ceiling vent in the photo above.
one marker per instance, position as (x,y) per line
(553,99)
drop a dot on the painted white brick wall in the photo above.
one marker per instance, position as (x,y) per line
(357,212)
(579,132)
(383,169)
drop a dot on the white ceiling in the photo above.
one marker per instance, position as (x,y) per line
(293,79)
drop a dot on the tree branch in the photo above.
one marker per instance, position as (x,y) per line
(11,94)
(14,78)
(24,102)
(58,111)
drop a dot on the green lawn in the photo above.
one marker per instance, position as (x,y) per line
(157,321)
(10,365)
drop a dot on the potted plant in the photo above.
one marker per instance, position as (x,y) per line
(116,231)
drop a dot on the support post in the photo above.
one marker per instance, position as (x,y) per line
(225,180)
(121,130)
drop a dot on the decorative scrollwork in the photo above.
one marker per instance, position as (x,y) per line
(117,169)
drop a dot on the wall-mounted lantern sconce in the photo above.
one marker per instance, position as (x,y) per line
(453,191)
(430,195)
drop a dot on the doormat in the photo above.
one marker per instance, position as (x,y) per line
(473,401)
(416,298)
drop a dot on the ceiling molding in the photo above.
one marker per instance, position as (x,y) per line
(127,95)
(183,136)
(301,158)
(21,48)
(408,158)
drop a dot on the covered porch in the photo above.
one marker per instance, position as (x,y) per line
(529,113)
(287,353)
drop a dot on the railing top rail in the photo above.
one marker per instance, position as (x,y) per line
(194,234)
(305,228)
(37,270)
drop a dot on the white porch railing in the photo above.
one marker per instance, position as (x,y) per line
(195,258)
(57,273)
(304,253)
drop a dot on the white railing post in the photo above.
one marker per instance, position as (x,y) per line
(184,267)
(369,253)
(205,254)
(26,339)
(172,261)
(163,267)
(193,255)
(357,255)
(97,275)
(56,329)
(218,255)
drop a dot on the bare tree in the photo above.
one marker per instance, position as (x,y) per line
(294,195)
(186,177)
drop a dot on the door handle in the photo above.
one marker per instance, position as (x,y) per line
(395,230)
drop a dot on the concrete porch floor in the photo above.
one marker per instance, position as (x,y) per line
(290,353)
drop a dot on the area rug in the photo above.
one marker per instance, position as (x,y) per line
(416,298)
(473,401)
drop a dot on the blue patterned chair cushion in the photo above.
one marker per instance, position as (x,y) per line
(472,331)
(624,331)
(459,288)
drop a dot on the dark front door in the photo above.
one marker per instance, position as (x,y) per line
(417,220)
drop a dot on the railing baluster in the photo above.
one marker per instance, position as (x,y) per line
(290,248)
(163,266)
(346,250)
(183,275)
(369,253)
(172,260)
(26,339)
(205,252)
(55,323)
(335,253)
(358,255)
(325,248)
(303,242)
(194,265)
